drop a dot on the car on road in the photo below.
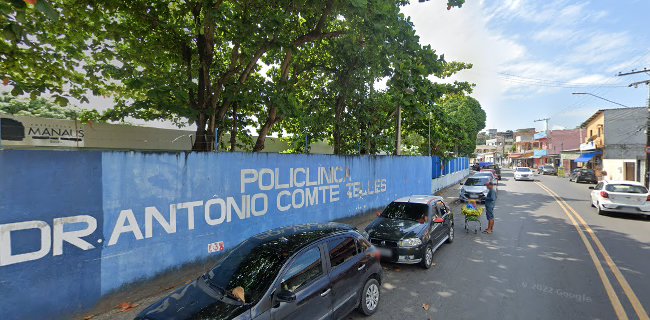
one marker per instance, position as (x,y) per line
(583,175)
(474,188)
(496,169)
(310,271)
(524,173)
(621,196)
(487,174)
(547,170)
(492,171)
(410,229)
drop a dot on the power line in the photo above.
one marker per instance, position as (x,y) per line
(551,83)
(582,102)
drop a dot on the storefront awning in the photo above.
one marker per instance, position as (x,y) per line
(586,157)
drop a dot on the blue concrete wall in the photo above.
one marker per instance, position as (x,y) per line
(139,203)
(43,186)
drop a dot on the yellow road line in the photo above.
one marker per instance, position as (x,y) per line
(613,297)
(636,304)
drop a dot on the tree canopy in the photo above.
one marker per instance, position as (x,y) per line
(39,107)
(306,70)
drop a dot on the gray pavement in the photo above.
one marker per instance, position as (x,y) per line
(535,265)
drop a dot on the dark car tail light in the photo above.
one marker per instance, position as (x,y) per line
(647,198)
(377,255)
(604,194)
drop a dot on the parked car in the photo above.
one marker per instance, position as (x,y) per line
(621,196)
(496,169)
(494,173)
(524,173)
(583,175)
(547,169)
(474,188)
(310,271)
(411,229)
(487,174)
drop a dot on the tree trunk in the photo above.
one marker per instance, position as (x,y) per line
(271,119)
(200,141)
(205,49)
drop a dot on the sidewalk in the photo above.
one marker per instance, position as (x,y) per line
(129,309)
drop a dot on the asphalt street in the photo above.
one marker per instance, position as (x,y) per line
(536,265)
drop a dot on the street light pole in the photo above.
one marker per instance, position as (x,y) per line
(647,128)
(429,134)
(548,135)
(398,127)
(398,133)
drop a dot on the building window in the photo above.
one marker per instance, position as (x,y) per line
(599,131)
(591,133)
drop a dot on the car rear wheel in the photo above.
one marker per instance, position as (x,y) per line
(427,257)
(370,297)
(599,210)
(450,235)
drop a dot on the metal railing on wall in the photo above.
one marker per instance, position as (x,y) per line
(442,167)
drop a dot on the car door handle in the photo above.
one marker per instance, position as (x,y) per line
(326,292)
(361,267)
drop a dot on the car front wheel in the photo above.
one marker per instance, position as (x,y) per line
(427,257)
(370,297)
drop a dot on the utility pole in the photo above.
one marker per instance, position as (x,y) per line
(546,123)
(647,128)
(429,134)
(548,135)
(398,129)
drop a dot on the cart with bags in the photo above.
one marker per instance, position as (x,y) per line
(472,213)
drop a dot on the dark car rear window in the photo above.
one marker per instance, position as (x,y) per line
(405,210)
(586,171)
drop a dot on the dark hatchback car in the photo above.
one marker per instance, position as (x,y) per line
(312,271)
(583,175)
(411,229)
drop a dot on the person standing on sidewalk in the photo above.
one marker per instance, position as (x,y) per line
(490,201)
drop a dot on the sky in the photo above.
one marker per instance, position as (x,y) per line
(529,56)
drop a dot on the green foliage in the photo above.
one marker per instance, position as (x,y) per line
(39,107)
(296,68)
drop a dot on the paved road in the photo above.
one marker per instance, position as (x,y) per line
(536,265)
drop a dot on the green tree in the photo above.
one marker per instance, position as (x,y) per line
(39,107)
(203,60)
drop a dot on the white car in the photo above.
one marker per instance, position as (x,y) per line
(474,188)
(524,173)
(621,196)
